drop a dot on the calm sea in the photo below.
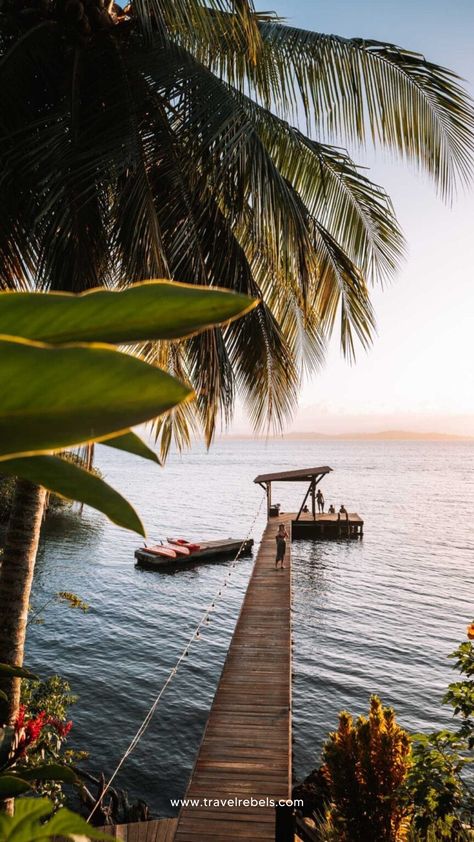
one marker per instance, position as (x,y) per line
(378,615)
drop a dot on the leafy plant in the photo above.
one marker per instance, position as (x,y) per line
(88,392)
(441,793)
(47,703)
(34,821)
(460,694)
(365,764)
(434,786)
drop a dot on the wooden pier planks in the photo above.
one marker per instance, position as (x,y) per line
(159,830)
(246,747)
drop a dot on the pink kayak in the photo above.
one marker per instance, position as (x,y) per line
(158,549)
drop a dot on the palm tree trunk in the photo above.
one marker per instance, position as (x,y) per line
(16,576)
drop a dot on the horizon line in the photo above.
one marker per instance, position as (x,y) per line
(382,435)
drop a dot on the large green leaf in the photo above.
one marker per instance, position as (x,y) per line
(10,787)
(7,735)
(70,481)
(149,310)
(48,772)
(51,398)
(17,672)
(27,825)
(131,443)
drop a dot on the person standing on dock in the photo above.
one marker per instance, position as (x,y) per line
(320,500)
(281,537)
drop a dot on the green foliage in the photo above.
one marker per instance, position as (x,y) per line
(73,600)
(365,764)
(460,694)
(87,392)
(148,310)
(35,754)
(56,503)
(52,695)
(434,786)
(33,822)
(74,483)
(79,393)
(131,443)
(188,158)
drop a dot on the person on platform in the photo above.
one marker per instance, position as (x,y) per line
(320,501)
(332,510)
(281,537)
(343,510)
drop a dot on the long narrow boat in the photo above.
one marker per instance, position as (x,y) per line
(208,551)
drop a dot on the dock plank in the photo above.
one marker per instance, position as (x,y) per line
(246,747)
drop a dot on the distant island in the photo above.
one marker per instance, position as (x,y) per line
(384,435)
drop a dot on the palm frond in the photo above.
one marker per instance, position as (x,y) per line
(355,87)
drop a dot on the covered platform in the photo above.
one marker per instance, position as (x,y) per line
(306,523)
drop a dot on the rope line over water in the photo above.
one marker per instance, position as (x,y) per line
(194,636)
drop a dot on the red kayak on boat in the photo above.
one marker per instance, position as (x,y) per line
(180,542)
(179,549)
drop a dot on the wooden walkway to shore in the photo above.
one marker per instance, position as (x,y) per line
(246,748)
(159,830)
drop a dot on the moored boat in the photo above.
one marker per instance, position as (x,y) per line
(208,551)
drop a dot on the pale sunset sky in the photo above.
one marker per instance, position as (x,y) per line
(418,375)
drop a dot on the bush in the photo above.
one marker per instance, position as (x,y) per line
(42,728)
(365,764)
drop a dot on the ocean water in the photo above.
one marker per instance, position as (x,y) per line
(379,615)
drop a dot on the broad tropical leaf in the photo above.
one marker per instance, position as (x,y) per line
(17,672)
(29,825)
(69,480)
(47,772)
(131,443)
(10,787)
(55,397)
(150,310)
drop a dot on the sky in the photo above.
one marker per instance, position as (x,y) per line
(418,374)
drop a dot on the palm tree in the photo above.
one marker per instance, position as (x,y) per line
(163,139)
(192,140)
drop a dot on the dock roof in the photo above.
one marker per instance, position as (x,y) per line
(301,475)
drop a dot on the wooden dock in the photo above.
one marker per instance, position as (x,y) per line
(246,748)
(158,830)
(327,525)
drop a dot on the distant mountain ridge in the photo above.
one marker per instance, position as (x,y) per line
(384,435)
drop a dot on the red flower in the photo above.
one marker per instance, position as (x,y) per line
(62,728)
(33,727)
(29,728)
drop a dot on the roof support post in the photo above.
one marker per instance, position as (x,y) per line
(269,498)
(313,497)
(304,501)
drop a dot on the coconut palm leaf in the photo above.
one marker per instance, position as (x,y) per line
(358,88)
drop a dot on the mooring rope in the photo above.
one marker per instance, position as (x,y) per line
(195,636)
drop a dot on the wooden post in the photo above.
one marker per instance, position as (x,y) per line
(284,823)
(304,501)
(269,498)
(313,498)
